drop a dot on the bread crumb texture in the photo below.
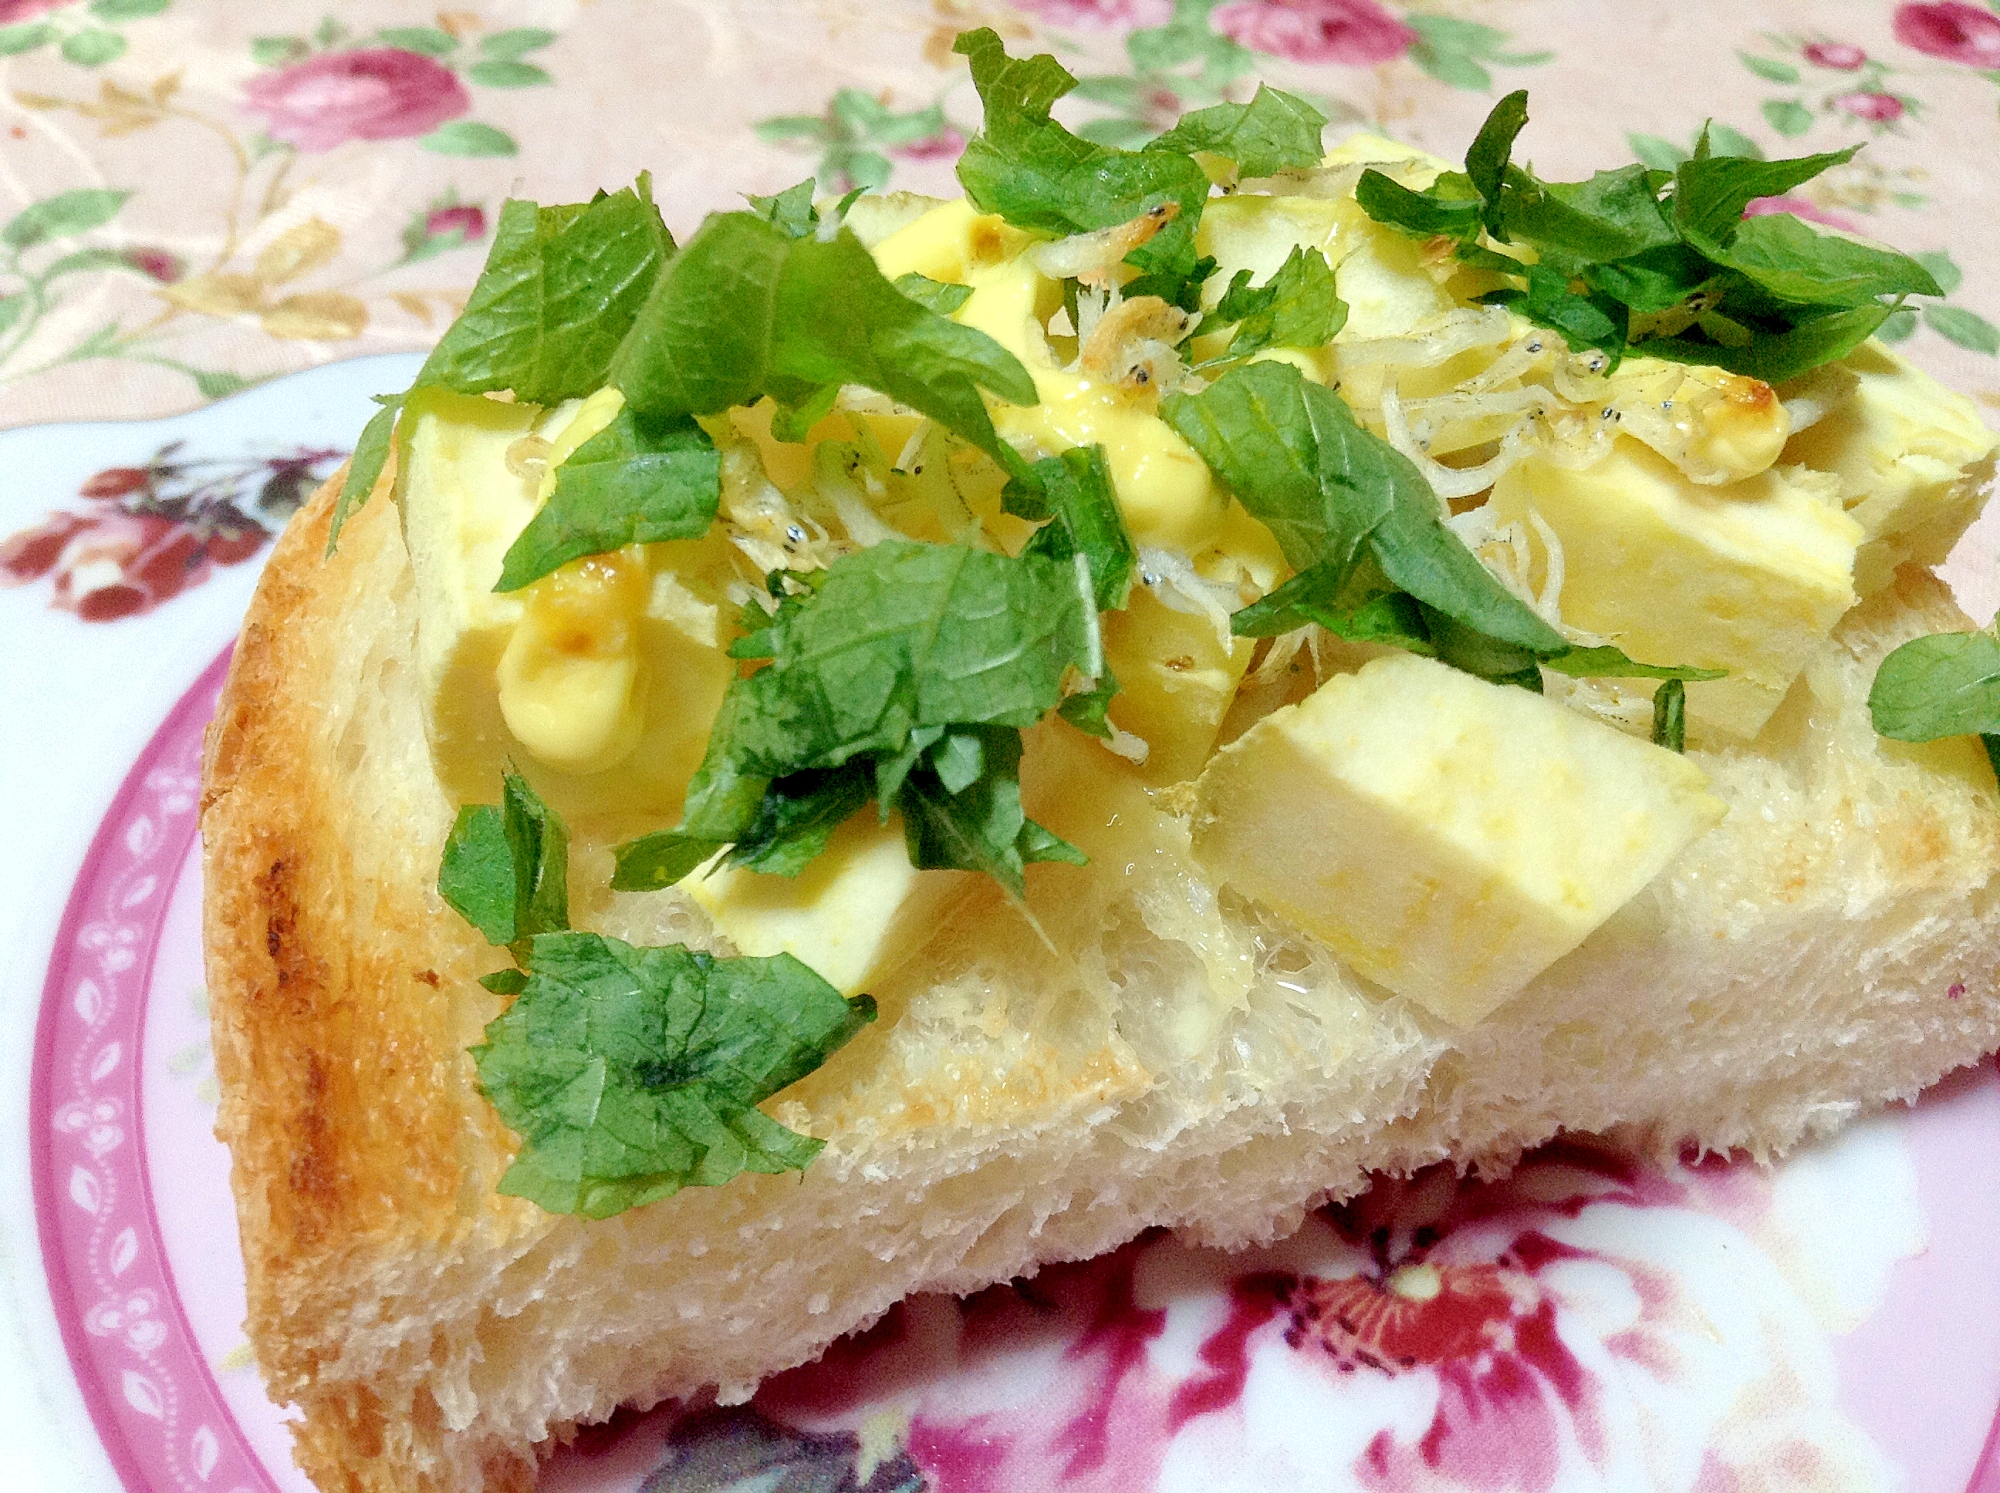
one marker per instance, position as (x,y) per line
(1170,1055)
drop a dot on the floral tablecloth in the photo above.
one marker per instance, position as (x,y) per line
(201,196)
(197,197)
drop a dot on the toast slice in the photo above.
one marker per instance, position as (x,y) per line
(1171,1056)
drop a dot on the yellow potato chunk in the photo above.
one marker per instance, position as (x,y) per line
(849,915)
(1164,489)
(1378,271)
(599,681)
(1913,460)
(1176,679)
(1449,838)
(1748,577)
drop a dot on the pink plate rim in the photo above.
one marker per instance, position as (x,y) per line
(150,1392)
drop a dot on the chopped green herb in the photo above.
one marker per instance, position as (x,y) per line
(1274,132)
(791,211)
(637,481)
(1296,307)
(908,663)
(1486,158)
(630,1073)
(1594,320)
(364,468)
(1389,616)
(506,866)
(744,311)
(1684,276)
(1777,357)
(1793,261)
(965,814)
(477,877)
(1285,446)
(1449,206)
(661,859)
(1317,594)
(1078,498)
(1490,658)
(1361,528)
(1579,226)
(1089,710)
(1036,174)
(1711,191)
(792,827)
(1610,663)
(1327,488)
(933,295)
(559,291)
(794,422)
(1947,684)
(1670,716)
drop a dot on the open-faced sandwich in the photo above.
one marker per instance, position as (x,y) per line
(898,741)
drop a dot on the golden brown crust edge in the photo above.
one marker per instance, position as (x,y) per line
(327,1158)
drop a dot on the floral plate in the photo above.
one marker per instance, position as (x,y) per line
(1592,1322)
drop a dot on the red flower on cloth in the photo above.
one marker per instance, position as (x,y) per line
(1953,31)
(1100,14)
(1837,55)
(946,145)
(159,264)
(374,93)
(1355,33)
(26,10)
(1879,108)
(465,218)
(1799,207)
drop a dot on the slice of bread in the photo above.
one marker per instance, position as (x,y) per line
(1171,1056)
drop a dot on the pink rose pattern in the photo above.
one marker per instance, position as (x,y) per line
(441,225)
(1352,33)
(1832,82)
(153,532)
(467,220)
(1835,55)
(946,145)
(1857,90)
(1878,108)
(157,264)
(373,93)
(1952,31)
(1799,207)
(313,94)
(402,84)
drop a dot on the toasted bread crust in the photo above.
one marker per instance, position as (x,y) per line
(342,1136)
(1809,963)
